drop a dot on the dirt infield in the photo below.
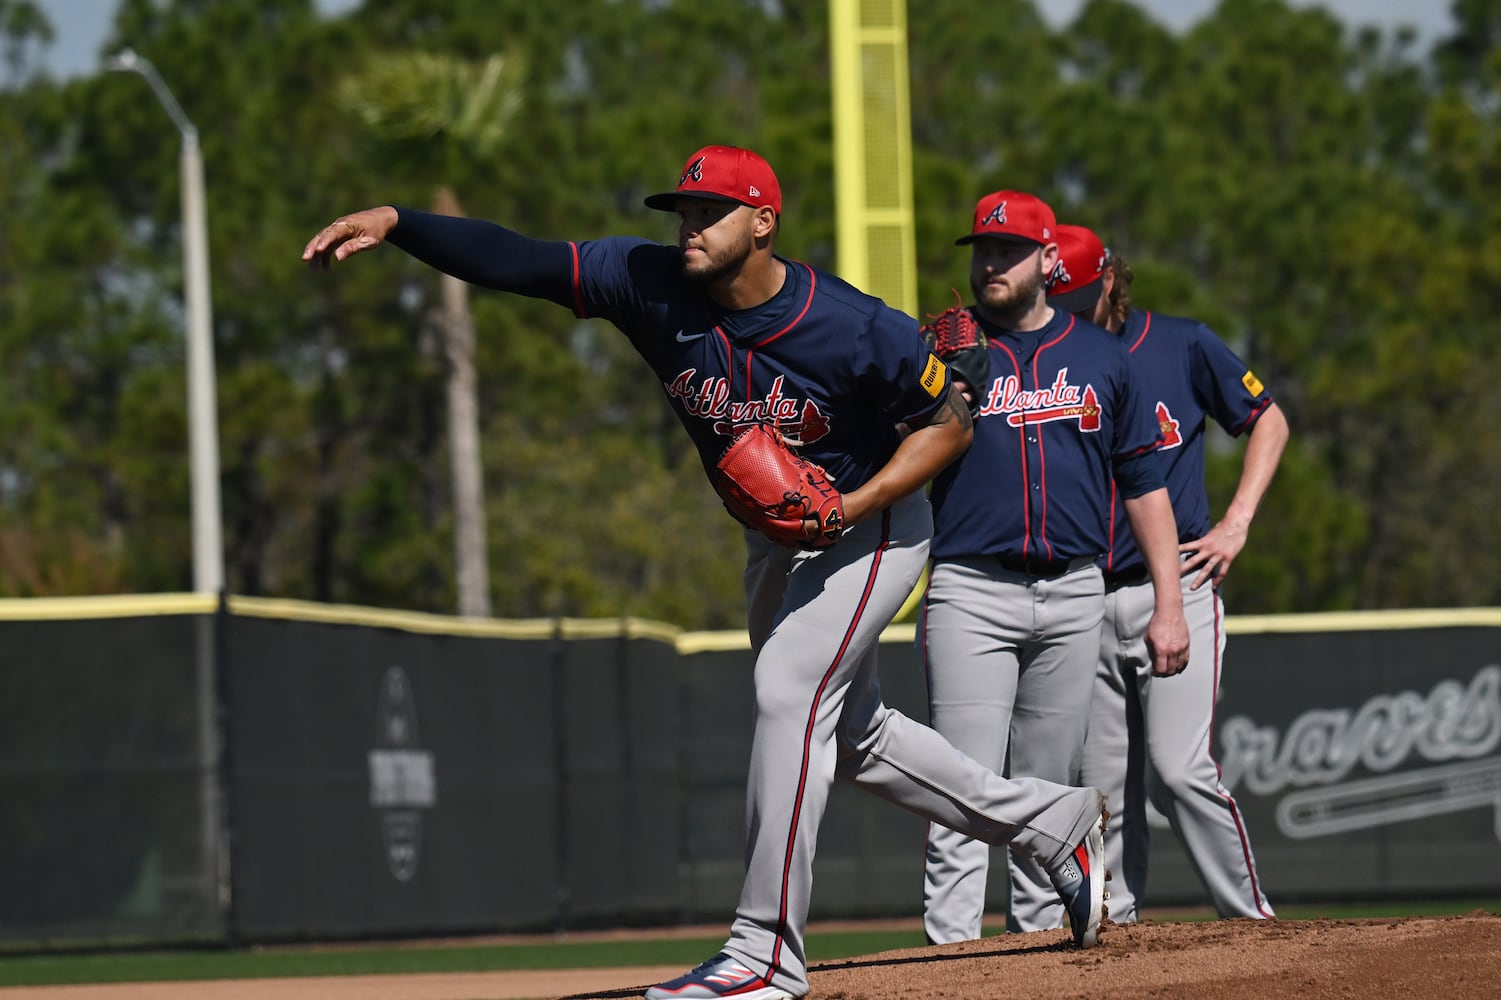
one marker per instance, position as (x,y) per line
(1452,958)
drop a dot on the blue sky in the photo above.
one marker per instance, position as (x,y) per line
(81,24)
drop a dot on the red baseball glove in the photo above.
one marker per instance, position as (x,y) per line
(770,488)
(955,336)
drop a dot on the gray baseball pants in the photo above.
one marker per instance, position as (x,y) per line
(819,715)
(1151,737)
(1010,660)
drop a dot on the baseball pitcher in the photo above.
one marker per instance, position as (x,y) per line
(791,385)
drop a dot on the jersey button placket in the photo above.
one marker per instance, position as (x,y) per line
(1034,458)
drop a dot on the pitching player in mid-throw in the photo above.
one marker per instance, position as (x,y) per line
(749,345)
(1011,617)
(1138,719)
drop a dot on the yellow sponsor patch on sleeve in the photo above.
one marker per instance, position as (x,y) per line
(932,376)
(1252,383)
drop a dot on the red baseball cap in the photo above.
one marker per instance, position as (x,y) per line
(1075,283)
(724,173)
(1012,215)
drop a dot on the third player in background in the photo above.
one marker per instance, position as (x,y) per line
(1150,737)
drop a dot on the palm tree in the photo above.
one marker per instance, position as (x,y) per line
(415,97)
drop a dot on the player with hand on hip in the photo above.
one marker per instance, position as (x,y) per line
(1010,621)
(1150,738)
(739,336)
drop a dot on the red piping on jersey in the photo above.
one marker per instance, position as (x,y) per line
(802,778)
(1042,452)
(1021,432)
(729,365)
(1240,827)
(573,281)
(1254,416)
(1147,325)
(750,351)
(812,284)
(1110,528)
(1142,450)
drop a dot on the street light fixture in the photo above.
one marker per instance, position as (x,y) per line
(203,419)
(203,450)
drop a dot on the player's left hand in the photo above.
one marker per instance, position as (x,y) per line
(1167,642)
(1213,554)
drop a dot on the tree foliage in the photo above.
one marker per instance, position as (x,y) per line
(1323,198)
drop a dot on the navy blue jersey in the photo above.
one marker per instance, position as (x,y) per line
(1062,412)
(834,369)
(1189,374)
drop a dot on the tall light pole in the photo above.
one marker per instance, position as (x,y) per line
(203,408)
(203,450)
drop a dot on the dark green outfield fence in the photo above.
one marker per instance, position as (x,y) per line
(172,768)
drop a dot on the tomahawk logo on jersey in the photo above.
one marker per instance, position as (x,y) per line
(1170,436)
(1194,377)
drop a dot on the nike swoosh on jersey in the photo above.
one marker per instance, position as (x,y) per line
(684,338)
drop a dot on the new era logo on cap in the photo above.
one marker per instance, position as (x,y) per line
(1075,284)
(724,173)
(1012,215)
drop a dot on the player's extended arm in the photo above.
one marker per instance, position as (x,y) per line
(922,455)
(1213,554)
(473,250)
(1156,532)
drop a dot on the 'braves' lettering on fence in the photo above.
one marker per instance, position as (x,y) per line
(1322,746)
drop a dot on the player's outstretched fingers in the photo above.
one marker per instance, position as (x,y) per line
(318,248)
(348,235)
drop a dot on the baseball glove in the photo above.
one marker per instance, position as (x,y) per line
(955,336)
(770,488)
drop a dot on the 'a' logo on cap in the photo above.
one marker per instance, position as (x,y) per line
(997,215)
(695,172)
(1060,275)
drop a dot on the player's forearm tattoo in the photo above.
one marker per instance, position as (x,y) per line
(954,408)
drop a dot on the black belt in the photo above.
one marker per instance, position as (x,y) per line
(1035,567)
(1127,577)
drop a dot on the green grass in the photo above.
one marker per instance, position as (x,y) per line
(366,959)
(543,953)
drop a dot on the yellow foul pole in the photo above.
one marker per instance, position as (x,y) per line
(873,149)
(873,158)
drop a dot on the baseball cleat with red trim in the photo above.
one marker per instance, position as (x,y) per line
(720,976)
(1080,881)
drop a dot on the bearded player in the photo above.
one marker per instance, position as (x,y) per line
(1011,617)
